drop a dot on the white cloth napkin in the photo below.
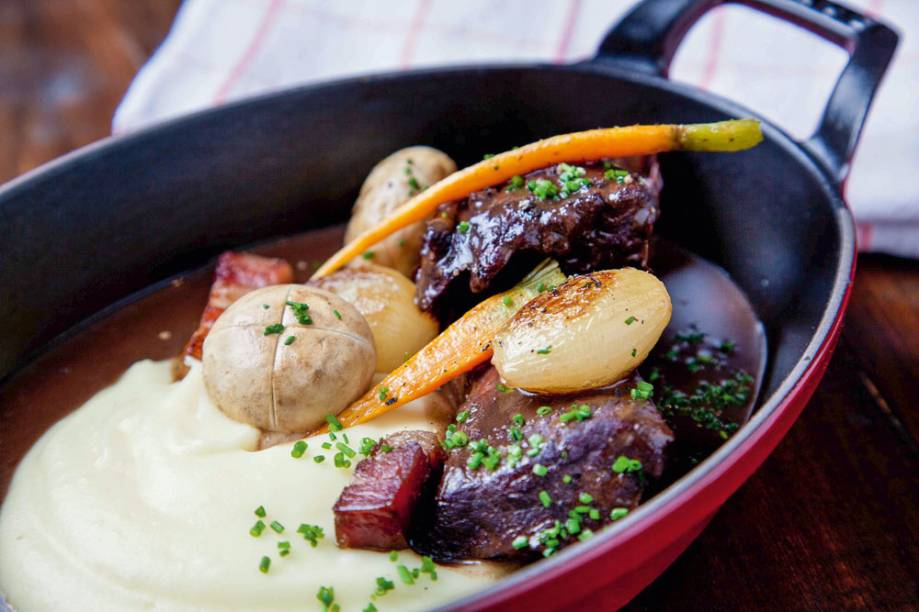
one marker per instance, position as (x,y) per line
(220,50)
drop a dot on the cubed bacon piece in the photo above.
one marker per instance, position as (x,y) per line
(375,510)
(236,275)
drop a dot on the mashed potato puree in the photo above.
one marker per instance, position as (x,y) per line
(144,497)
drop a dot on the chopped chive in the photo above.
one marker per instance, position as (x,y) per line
(544,410)
(634,352)
(311,533)
(545,498)
(630,320)
(284,548)
(540,470)
(347,450)
(546,350)
(300,312)
(337,314)
(384,586)
(386,448)
(334,423)
(260,511)
(520,542)
(463,227)
(276,526)
(264,564)
(507,301)
(405,575)
(289,340)
(518,420)
(394,555)
(341,461)
(642,391)
(462,416)
(501,387)
(370,608)
(266,306)
(257,529)
(319,458)
(382,394)
(368,255)
(326,597)
(567,479)
(428,567)
(298,449)
(516,181)
(326,445)
(277,328)
(594,514)
(367,446)
(618,513)
(585,498)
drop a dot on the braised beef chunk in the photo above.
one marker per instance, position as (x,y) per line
(588,218)
(236,275)
(375,510)
(527,476)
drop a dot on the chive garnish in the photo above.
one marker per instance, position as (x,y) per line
(337,314)
(277,328)
(260,511)
(540,470)
(347,450)
(257,529)
(545,498)
(277,527)
(298,449)
(300,312)
(630,320)
(264,564)
(544,410)
(405,575)
(618,513)
(319,458)
(334,423)
(284,548)
(507,301)
(546,350)
(383,586)
(520,542)
(463,227)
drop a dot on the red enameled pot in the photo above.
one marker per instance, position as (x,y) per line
(124,214)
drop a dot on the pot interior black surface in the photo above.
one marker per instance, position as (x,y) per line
(94,227)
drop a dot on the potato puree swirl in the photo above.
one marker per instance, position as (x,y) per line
(143,499)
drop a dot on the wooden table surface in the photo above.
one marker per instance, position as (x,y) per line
(830,521)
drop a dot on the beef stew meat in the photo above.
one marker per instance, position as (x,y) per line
(528,475)
(593,217)
(236,275)
(375,510)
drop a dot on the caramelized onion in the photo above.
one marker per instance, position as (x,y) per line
(589,332)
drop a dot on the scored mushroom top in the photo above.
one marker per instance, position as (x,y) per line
(282,358)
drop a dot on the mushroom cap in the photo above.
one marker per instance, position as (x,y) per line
(288,379)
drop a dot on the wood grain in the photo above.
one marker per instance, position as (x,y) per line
(829,522)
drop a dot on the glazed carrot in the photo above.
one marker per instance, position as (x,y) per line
(458,349)
(580,146)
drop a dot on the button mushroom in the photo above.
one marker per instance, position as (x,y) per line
(284,357)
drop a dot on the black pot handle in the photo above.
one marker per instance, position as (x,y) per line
(648,36)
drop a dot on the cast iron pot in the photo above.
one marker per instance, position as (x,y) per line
(98,225)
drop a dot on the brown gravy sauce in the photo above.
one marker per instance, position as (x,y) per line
(157,324)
